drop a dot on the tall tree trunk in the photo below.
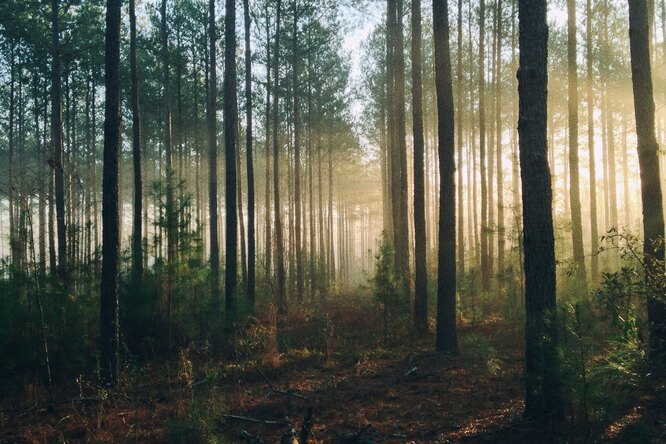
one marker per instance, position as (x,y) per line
(542,398)
(331,246)
(402,243)
(168,152)
(501,241)
(251,241)
(230,127)
(41,145)
(10,173)
(212,159)
(392,179)
(485,266)
(281,278)
(239,207)
(56,137)
(648,149)
(297,156)
(137,242)
(420,246)
(109,328)
(267,180)
(447,338)
(594,229)
(574,188)
(397,140)
(459,137)
(313,241)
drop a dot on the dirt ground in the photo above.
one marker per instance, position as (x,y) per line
(352,389)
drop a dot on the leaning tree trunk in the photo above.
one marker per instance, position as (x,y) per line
(447,338)
(543,398)
(648,156)
(109,328)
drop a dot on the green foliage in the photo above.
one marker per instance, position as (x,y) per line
(603,353)
(483,355)
(386,287)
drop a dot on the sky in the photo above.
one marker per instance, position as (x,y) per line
(362,19)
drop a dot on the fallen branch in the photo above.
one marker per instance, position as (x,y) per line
(413,375)
(48,405)
(256,420)
(250,439)
(274,389)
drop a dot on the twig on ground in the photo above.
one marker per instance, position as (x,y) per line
(256,420)
(274,389)
(47,405)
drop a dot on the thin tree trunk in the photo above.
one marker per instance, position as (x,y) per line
(137,242)
(268,246)
(421,274)
(485,270)
(574,188)
(239,203)
(501,241)
(281,279)
(459,136)
(297,156)
(251,236)
(230,127)
(212,159)
(56,137)
(594,229)
(168,151)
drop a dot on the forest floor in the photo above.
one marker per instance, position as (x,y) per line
(349,385)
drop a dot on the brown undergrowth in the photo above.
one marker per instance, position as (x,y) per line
(334,368)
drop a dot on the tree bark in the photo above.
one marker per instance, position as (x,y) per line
(57,138)
(594,229)
(420,244)
(485,270)
(447,338)
(212,159)
(297,156)
(543,398)
(281,278)
(574,187)
(251,236)
(168,152)
(648,155)
(230,128)
(501,241)
(459,139)
(137,241)
(109,327)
